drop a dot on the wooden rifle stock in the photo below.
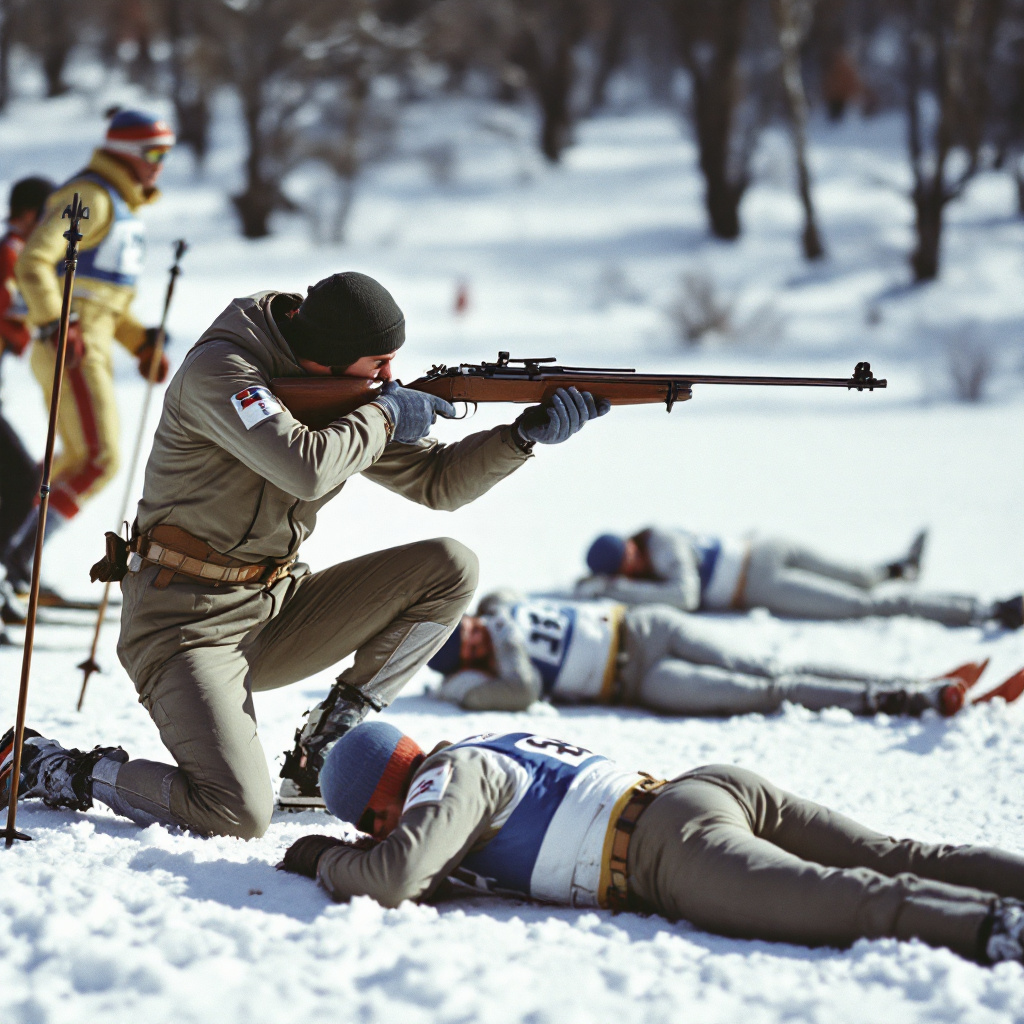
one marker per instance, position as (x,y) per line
(318,401)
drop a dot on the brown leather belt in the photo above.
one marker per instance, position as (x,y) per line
(179,553)
(617,896)
(740,593)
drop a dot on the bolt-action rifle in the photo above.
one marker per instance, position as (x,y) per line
(318,401)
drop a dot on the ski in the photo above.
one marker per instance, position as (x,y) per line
(54,617)
(967,674)
(1010,689)
(51,599)
(291,798)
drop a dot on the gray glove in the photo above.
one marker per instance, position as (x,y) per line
(559,417)
(412,413)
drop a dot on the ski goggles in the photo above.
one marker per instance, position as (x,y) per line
(155,154)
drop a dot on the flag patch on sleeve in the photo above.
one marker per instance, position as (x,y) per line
(429,787)
(254,405)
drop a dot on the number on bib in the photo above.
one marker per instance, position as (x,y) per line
(567,753)
(546,629)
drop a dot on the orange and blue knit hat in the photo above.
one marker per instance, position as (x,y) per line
(133,132)
(368,767)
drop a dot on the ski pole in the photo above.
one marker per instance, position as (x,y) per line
(90,664)
(76,212)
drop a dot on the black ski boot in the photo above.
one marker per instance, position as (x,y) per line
(60,777)
(342,708)
(1009,613)
(13,611)
(909,566)
(1002,934)
(904,701)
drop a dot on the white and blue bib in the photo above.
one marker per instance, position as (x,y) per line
(554,837)
(720,563)
(119,258)
(572,644)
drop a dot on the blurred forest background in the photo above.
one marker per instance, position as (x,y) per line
(328,80)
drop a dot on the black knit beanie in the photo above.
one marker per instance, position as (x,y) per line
(343,318)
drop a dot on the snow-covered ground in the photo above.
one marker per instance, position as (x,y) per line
(99,921)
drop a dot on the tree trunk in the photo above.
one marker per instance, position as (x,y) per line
(188,93)
(553,88)
(6,30)
(928,206)
(57,44)
(346,198)
(612,49)
(721,197)
(791,31)
(259,199)
(722,194)
(712,60)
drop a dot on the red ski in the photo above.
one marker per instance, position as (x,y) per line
(967,674)
(1009,690)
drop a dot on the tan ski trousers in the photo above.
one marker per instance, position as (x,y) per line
(732,853)
(394,608)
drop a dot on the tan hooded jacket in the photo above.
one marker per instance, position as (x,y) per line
(253,492)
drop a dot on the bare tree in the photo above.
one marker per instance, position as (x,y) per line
(793,19)
(260,44)
(947,45)
(730,97)
(528,46)
(547,35)
(193,71)
(50,25)
(611,51)
(8,13)
(355,124)
(1006,89)
(464,35)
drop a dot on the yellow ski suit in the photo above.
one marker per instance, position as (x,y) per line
(87,422)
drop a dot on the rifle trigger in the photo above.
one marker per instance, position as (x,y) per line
(465,409)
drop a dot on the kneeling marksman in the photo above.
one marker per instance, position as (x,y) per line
(216,605)
(516,650)
(538,818)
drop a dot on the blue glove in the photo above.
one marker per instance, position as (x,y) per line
(560,416)
(411,412)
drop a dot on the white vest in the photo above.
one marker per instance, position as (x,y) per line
(724,582)
(572,644)
(554,838)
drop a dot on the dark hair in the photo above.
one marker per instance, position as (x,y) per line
(30,194)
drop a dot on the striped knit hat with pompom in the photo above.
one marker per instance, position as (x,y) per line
(133,132)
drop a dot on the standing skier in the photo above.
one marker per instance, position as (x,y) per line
(215,603)
(19,474)
(538,818)
(120,178)
(691,571)
(517,650)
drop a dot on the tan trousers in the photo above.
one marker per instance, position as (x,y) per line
(734,854)
(394,608)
